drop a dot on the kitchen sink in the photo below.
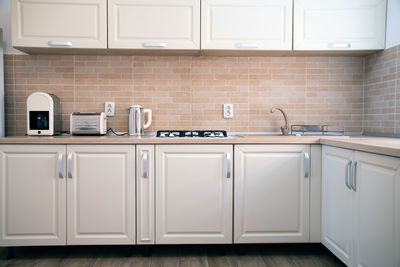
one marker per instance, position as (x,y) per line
(262,135)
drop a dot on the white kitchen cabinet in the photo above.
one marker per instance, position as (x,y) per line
(194,185)
(145,194)
(33,195)
(154,24)
(337,208)
(59,23)
(361,207)
(339,24)
(272,193)
(376,227)
(246,24)
(101,194)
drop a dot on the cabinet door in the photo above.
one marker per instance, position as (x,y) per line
(145,193)
(339,24)
(59,23)
(154,24)
(193,194)
(272,193)
(101,194)
(337,201)
(246,24)
(33,195)
(377,210)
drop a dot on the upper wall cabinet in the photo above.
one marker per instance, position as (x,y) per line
(246,24)
(339,24)
(59,23)
(154,24)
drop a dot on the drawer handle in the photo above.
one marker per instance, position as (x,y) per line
(61,44)
(60,166)
(154,44)
(353,176)
(145,167)
(69,165)
(246,45)
(346,173)
(339,45)
(306,164)
(228,165)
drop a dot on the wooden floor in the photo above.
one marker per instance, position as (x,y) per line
(249,255)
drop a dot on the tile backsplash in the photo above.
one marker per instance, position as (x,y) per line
(382,92)
(187,92)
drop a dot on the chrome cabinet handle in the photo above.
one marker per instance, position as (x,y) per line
(154,44)
(246,45)
(346,172)
(353,176)
(339,45)
(60,166)
(145,166)
(306,164)
(228,165)
(62,44)
(69,165)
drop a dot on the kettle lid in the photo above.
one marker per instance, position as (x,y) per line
(135,106)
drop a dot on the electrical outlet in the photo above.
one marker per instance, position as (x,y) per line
(109,109)
(228,111)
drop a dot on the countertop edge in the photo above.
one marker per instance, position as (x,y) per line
(377,145)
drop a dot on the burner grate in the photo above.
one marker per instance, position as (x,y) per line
(194,133)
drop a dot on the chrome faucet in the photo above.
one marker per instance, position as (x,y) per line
(284,129)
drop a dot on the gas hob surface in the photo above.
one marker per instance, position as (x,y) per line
(191,134)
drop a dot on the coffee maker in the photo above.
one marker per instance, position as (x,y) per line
(43,114)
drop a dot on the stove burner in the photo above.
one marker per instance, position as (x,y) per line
(195,134)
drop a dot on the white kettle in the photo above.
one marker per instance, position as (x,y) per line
(137,119)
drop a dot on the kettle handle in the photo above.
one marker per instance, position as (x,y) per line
(148,118)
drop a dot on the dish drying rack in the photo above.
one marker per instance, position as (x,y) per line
(317,129)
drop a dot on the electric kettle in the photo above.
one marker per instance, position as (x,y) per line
(137,119)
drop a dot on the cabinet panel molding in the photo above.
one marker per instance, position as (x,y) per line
(272,195)
(101,194)
(154,24)
(339,25)
(145,194)
(194,194)
(246,24)
(33,196)
(59,23)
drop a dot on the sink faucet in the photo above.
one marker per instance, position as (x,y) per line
(285,129)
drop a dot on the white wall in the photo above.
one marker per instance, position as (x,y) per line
(5,24)
(393,23)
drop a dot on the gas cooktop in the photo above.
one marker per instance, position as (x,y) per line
(195,134)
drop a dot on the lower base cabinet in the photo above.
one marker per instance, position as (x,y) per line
(361,207)
(33,195)
(272,193)
(67,195)
(101,194)
(189,194)
(194,187)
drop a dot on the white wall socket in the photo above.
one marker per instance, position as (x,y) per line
(109,109)
(228,111)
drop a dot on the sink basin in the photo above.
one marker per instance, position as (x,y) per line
(262,135)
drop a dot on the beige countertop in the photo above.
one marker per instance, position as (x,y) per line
(379,145)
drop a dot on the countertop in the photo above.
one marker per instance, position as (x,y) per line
(379,145)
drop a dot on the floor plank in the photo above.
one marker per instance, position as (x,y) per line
(283,255)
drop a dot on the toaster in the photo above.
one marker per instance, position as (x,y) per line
(88,123)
